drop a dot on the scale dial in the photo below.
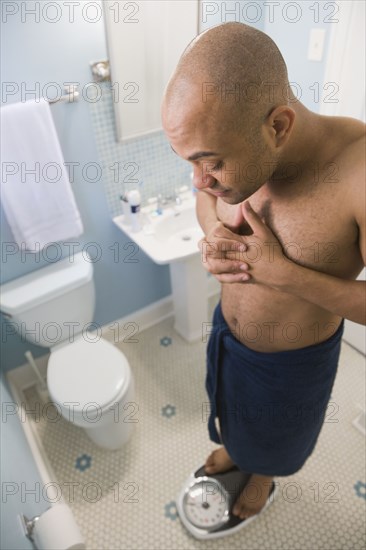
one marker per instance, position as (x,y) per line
(206,503)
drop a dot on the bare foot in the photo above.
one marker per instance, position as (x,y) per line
(218,461)
(253,497)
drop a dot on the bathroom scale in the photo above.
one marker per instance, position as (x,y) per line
(205,503)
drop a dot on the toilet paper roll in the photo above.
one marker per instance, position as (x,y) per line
(57,529)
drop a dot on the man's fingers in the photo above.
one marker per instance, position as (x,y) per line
(224,233)
(255,222)
(235,278)
(221,266)
(221,231)
(220,247)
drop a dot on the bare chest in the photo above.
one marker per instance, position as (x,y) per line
(314,229)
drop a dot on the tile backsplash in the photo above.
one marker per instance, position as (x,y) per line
(147,162)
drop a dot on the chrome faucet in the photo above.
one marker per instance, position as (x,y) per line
(174,199)
(164,201)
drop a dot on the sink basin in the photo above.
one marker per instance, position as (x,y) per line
(179,229)
(168,238)
(172,238)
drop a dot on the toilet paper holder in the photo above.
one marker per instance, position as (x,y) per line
(54,529)
(28,525)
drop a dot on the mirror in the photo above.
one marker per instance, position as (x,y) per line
(145,40)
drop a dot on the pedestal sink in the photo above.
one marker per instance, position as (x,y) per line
(172,238)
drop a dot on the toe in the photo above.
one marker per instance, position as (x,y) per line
(240,511)
(236,510)
(210,464)
(218,461)
(243,512)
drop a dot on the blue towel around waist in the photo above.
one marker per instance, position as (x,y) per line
(270,406)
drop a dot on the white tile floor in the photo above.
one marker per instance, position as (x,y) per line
(125,499)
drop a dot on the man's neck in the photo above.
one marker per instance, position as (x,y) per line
(305,145)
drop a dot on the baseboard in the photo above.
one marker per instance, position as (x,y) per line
(148,316)
(142,319)
(19,379)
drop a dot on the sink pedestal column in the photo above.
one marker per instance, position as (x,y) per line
(190,296)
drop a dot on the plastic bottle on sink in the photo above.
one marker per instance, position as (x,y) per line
(126,210)
(134,198)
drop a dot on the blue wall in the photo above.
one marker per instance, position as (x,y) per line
(289,25)
(43,52)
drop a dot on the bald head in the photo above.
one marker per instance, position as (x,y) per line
(235,72)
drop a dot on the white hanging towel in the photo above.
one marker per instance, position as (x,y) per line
(36,194)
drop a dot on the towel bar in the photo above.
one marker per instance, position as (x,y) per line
(70,96)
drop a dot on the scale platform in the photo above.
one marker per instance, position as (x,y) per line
(205,503)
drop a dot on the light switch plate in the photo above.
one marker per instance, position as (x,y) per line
(316,44)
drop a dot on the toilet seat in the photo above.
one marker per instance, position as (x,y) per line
(85,372)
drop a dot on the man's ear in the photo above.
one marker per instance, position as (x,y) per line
(279,124)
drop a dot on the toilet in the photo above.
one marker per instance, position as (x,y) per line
(89,380)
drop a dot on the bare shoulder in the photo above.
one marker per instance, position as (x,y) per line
(351,143)
(349,155)
(352,164)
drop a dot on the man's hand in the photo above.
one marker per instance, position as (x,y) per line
(264,255)
(219,243)
(232,258)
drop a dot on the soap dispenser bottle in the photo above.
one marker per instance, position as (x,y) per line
(125,209)
(134,198)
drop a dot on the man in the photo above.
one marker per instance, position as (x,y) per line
(287,258)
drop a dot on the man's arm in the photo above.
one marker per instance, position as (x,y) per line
(339,296)
(206,211)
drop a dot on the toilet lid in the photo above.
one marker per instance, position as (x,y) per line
(85,372)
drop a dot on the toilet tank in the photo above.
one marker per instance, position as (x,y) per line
(53,304)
